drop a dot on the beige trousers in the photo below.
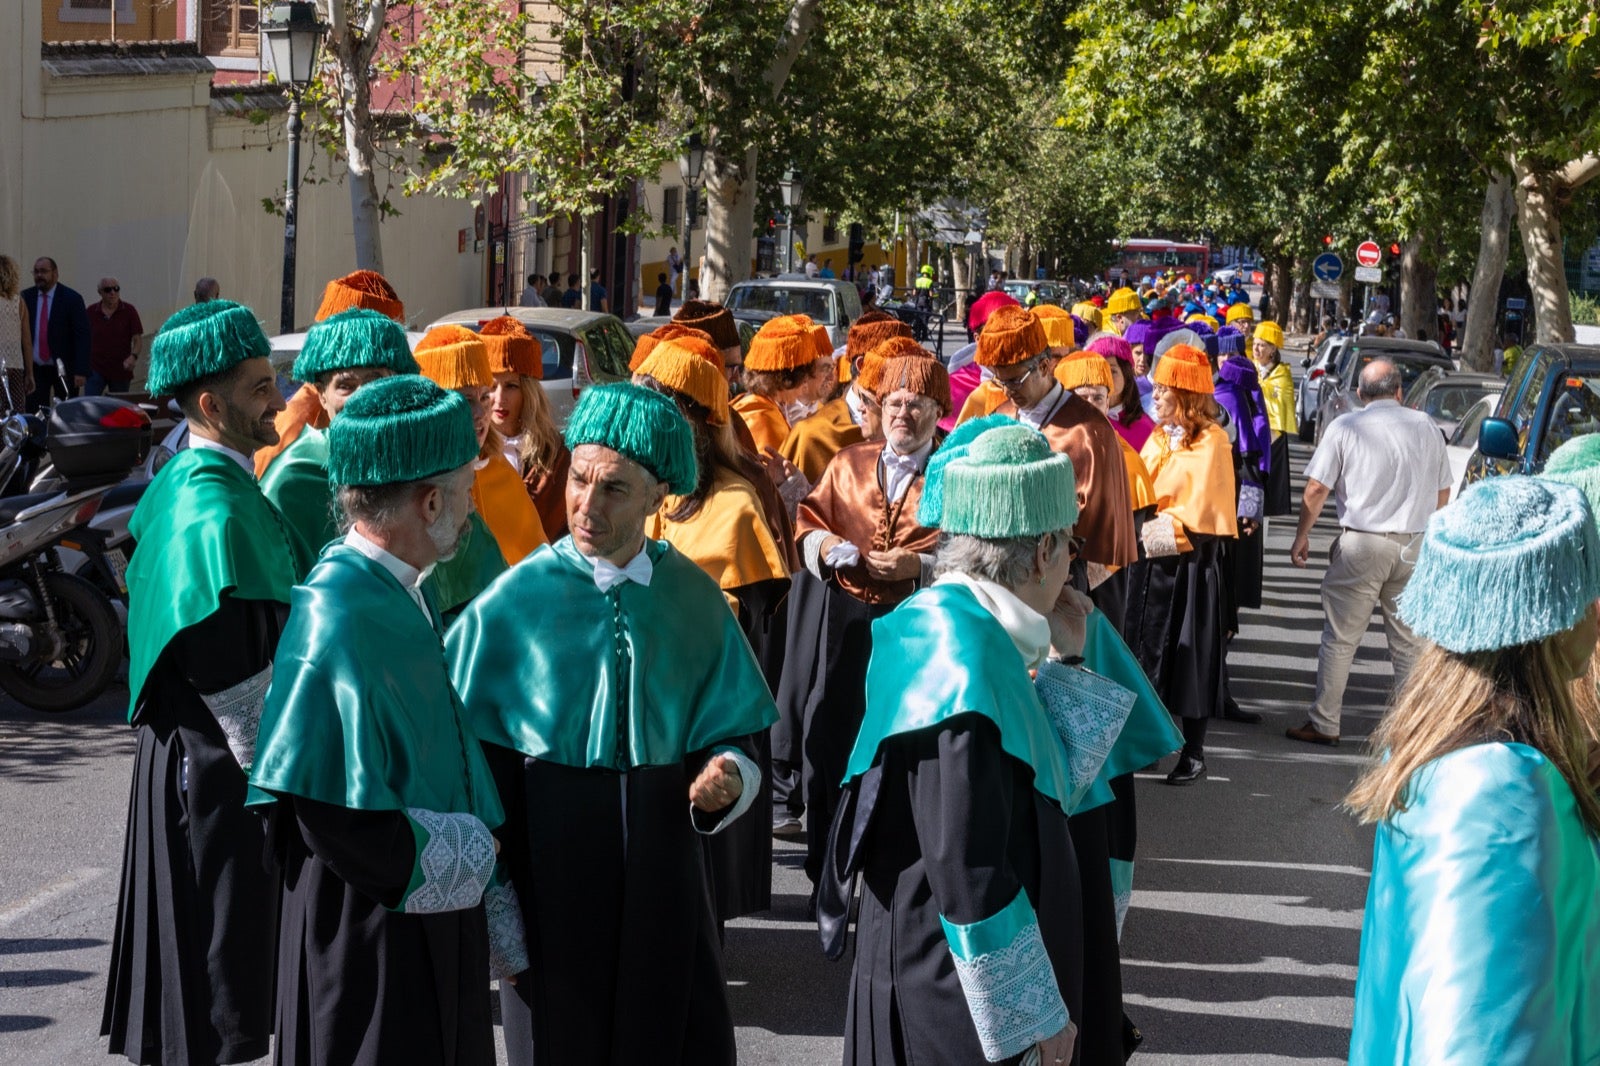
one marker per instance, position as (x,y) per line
(1365,570)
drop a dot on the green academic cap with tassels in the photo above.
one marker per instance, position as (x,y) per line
(403,428)
(1009,484)
(203,339)
(354,338)
(640,424)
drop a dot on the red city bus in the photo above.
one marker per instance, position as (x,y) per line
(1141,257)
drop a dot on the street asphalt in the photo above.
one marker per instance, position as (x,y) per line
(1240,947)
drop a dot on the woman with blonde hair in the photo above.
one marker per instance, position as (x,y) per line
(15,339)
(520,414)
(1481,938)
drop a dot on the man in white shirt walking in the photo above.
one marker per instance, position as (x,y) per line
(1386,467)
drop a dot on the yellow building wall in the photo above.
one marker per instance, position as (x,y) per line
(138,20)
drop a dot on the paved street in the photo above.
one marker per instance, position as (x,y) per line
(1240,947)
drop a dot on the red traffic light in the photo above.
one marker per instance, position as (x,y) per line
(1327,238)
(1394,249)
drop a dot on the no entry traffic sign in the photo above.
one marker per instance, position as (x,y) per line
(1368,254)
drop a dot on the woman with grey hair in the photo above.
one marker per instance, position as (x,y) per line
(970,934)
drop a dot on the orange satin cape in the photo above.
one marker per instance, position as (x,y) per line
(502,500)
(1194,485)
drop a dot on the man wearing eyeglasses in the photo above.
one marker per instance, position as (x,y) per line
(1014,348)
(114,334)
(860,537)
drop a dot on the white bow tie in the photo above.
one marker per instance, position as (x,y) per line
(608,575)
(904,463)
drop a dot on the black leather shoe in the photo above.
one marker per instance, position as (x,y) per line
(1190,769)
(1239,714)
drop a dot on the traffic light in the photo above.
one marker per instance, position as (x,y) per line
(772,226)
(858,242)
(1394,249)
(1327,239)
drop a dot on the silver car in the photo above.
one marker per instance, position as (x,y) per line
(826,301)
(1337,396)
(1318,365)
(579,347)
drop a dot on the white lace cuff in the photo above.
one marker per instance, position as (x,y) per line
(1160,536)
(1088,712)
(237,710)
(455,859)
(1007,979)
(508,941)
(750,776)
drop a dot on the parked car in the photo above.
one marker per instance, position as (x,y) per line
(748,323)
(1318,365)
(1045,292)
(1240,272)
(1337,394)
(1447,395)
(286,349)
(1553,396)
(580,348)
(1463,443)
(827,301)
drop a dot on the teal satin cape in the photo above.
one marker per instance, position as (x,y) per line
(1148,734)
(473,568)
(1481,939)
(297,485)
(361,713)
(203,531)
(538,661)
(941,654)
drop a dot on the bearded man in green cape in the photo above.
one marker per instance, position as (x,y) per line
(192,955)
(394,916)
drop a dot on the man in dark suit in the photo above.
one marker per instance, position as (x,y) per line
(61,348)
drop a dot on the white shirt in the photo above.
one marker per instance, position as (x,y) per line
(1041,412)
(197,441)
(858,410)
(1385,464)
(512,447)
(410,577)
(608,575)
(899,470)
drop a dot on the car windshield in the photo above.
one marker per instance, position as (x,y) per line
(1574,412)
(1410,368)
(549,354)
(815,303)
(1466,434)
(1447,399)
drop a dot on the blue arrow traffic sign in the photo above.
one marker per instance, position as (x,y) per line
(1327,267)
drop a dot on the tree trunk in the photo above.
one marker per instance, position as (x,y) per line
(961,260)
(353,49)
(1280,287)
(913,261)
(731,169)
(1419,291)
(1299,318)
(730,222)
(1538,196)
(1494,246)
(584,241)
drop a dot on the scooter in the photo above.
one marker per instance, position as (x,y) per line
(60,637)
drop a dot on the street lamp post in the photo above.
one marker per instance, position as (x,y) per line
(293,37)
(690,161)
(791,187)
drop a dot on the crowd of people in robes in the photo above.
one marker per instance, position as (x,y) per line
(430,693)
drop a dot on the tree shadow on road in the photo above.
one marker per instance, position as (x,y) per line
(36,747)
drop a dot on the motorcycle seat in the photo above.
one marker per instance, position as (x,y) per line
(12,506)
(126,494)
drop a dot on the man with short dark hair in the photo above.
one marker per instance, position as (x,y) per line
(1386,466)
(663,296)
(573,297)
(58,322)
(533,295)
(114,332)
(196,933)
(207,289)
(599,299)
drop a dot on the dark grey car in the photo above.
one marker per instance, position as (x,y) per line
(1338,393)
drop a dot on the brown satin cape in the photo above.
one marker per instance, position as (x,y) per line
(849,502)
(1105,519)
(549,492)
(815,440)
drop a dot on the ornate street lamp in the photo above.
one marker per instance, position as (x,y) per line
(791,187)
(690,161)
(293,36)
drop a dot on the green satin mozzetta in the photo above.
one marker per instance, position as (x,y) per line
(297,485)
(940,654)
(473,568)
(544,662)
(1148,734)
(991,934)
(203,530)
(361,713)
(1481,937)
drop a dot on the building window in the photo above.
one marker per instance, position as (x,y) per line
(94,11)
(830,229)
(669,207)
(228,27)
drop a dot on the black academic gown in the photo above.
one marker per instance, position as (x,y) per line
(611,873)
(360,984)
(192,957)
(1176,626)
(948,823)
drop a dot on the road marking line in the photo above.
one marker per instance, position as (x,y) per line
(1306,867)
(1264,909)
(39,898)
(1272,964)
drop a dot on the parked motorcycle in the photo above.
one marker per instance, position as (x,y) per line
(60,637)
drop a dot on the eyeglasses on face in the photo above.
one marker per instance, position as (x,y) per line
(111,288)
(894,408)
(1013,385)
